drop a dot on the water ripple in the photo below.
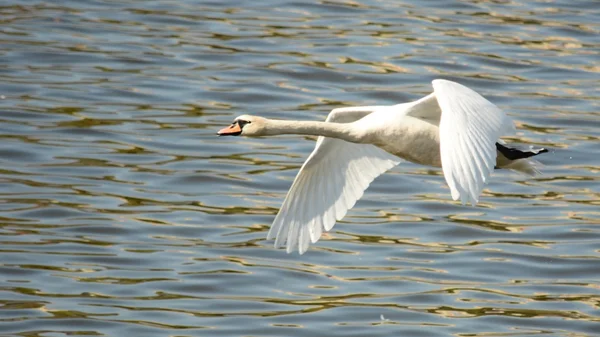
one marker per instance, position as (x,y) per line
(121,213)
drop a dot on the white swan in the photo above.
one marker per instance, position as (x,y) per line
(454,128)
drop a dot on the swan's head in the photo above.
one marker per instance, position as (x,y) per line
(245,125)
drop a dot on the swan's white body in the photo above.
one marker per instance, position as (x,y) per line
(453,128)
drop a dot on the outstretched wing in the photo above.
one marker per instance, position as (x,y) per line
(332,179)
(470,126)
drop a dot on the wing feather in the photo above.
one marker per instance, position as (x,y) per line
(470,126)
(329,183)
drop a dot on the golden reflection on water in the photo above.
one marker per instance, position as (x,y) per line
(122,212)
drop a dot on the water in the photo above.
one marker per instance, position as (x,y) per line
(123,215)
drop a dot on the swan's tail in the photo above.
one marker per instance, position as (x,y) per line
(518,160)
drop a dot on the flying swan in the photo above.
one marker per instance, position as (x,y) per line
(454,128)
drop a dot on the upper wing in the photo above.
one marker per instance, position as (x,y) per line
(470,126)
(426,108)
(329,183)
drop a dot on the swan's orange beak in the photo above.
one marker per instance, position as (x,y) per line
(232,130)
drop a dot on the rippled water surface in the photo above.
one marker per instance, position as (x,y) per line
(123,215)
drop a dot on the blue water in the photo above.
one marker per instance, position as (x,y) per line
(122,214)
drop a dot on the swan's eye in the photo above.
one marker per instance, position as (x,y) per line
(241,122)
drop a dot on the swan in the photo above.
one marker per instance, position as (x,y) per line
(454,128)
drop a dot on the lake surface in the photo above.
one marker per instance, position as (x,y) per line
(122,214)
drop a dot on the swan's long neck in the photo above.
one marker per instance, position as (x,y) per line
(346,131)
